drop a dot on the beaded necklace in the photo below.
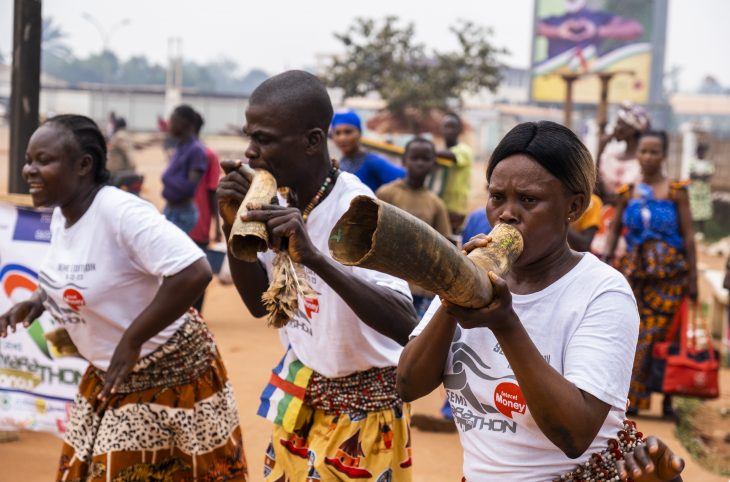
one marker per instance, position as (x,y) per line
(320,193)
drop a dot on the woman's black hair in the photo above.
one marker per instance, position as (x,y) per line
(663,137)
(556,148)
(415,140)
(89,139)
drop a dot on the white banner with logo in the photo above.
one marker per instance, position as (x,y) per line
(37,386)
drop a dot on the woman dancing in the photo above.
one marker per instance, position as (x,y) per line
(155,402)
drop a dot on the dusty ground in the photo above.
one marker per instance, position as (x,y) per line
(250,350)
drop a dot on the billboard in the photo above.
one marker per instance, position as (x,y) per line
(586,37)
(37,386)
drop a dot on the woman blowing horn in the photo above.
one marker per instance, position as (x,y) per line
(538,379)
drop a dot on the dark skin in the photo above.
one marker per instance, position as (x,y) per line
(184,130)
(651,155)
(581,240)
(418,160)
(299,160)
(523,194)
(60,174)
(347,139)
(450,130)
(652,462)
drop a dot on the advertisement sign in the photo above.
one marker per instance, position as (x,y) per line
(586,37)
(37,386)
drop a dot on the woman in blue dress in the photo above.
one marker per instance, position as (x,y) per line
(660,262)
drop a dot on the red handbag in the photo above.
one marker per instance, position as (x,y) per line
(688,370)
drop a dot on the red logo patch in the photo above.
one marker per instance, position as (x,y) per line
(73,299)
(311,305)
(508,399)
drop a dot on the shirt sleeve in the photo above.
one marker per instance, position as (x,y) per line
(599,356)
(386,172)
(463,155)
(198,160)
(154,244)
(432,308)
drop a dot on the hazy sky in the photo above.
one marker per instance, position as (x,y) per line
(277,35)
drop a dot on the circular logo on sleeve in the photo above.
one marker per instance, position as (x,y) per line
(73,299)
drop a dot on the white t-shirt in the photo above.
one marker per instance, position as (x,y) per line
(100,273)
(585,325)
(325,334)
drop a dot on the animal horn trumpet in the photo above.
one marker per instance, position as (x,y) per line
(250,237)
(376,235)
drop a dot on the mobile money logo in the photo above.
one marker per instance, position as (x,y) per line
(18,277)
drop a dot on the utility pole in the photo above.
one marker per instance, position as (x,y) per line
(568,107)
(25,87)
(106,36)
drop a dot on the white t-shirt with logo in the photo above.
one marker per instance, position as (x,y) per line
(100,273)
(585,325)
(325,334)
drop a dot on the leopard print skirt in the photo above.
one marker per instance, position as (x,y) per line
(174,420)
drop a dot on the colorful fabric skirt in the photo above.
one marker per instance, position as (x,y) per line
(349,428)
(657,273)
(174,419)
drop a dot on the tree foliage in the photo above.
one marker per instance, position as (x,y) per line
(58,60)
(384,57)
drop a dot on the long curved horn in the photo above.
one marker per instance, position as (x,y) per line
(376,235)
(248,238)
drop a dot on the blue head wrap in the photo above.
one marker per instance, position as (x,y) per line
(347,117)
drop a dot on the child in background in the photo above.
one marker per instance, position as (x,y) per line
(411,195)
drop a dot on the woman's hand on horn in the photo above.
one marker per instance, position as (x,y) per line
(496,316)
(476,242)
(286,230)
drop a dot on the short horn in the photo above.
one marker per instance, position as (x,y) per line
(375,235)
(248,237)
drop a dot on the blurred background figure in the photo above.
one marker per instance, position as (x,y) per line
(455,180)
(372,169)
(618,166)
(660,260)
(411,195)
(185,170)
(584,229)
(700,194)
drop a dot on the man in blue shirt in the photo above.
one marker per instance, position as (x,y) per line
(372,169)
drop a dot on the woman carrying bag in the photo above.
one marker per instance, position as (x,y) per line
(660,262)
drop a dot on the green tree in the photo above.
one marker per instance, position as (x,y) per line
(53,47)
(383,57)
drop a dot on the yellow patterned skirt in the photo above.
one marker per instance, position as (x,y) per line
(174,419)
(374,446)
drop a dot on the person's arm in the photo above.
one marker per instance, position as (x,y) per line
(441,220)
(25,313)
(688,236)
(621,28)
(446,154)
(615,229)
(422,362)
(581,240)
(172,300)
(212,203)
(383,309)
